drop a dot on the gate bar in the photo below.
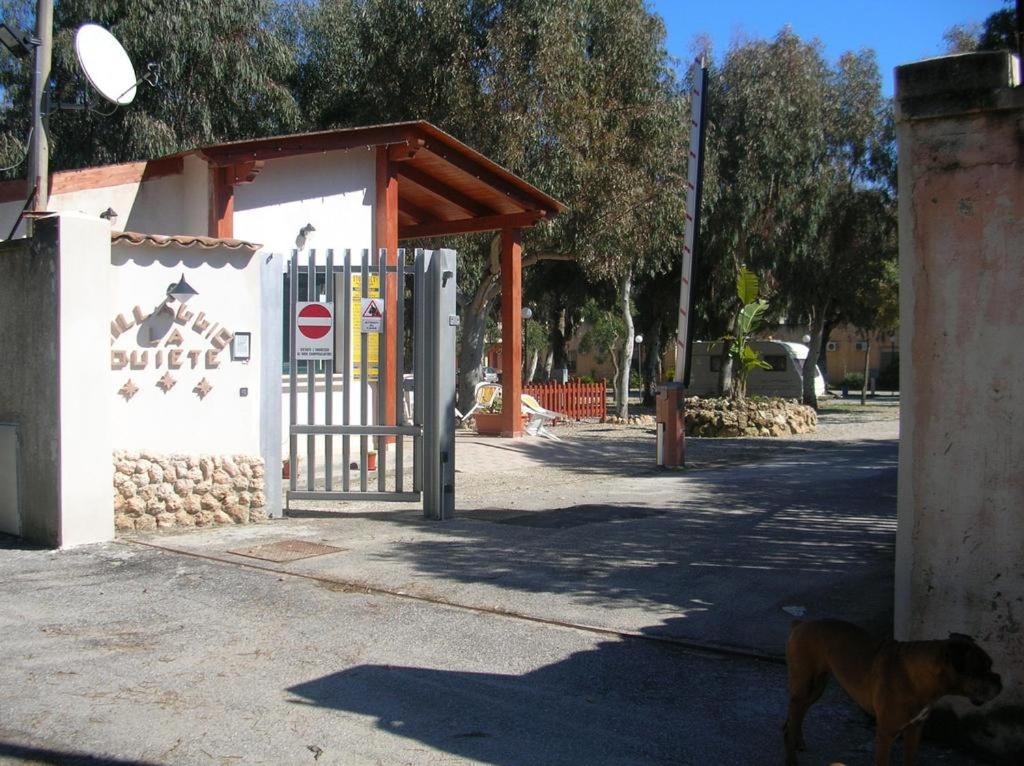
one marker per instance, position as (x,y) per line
(382,370)
(400,367)
(293,399)
(346,368)
(311,377)
(364,385)
(329,376)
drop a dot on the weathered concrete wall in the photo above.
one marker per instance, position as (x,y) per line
(51,358)
(960,540)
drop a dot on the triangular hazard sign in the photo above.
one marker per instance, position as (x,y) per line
(372,310)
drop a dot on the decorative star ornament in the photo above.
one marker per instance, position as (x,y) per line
(128,390)
(166,383)
(203,388)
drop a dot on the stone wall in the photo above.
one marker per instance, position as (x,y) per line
(153,490)
(754,416)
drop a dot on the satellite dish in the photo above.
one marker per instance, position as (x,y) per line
(105,64)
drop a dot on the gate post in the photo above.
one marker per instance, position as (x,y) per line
(439,374)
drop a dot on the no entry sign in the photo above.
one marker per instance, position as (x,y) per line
(314,330)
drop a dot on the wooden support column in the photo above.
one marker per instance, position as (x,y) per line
(222,203)
(511,332)
(386,235)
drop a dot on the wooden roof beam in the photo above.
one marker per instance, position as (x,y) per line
(288,146)
(439,189)
(472,168)
(471,225)
(407,151)
(415,212)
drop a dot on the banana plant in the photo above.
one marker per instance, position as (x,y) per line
(748,321)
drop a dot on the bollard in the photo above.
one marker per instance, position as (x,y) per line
(671,447)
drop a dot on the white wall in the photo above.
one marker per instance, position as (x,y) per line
(178,420)
(86,472)
(333,191)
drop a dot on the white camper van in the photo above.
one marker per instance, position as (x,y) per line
(783,379)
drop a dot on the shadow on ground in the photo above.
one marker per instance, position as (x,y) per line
(717,554)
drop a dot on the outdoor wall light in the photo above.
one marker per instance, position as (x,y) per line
(109,215)
(527,312)
(181,291)
(19,42)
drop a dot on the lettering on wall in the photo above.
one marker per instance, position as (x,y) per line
(166,339)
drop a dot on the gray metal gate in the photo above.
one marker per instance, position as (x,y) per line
(428,473)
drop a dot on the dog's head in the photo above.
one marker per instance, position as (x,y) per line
(972,670)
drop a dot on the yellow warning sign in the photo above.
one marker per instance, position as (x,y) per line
(372,339)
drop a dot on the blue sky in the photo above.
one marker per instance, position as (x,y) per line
(900,31)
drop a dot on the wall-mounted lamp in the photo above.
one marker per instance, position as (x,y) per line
(109,215)
(527,312)
(181,291)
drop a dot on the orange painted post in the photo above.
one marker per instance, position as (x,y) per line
(511,332)
(222,204)
(671,446)
(386,236)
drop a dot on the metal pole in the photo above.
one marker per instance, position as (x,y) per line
(691,242)
(39,146)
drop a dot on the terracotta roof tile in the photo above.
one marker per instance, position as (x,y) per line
(181,240)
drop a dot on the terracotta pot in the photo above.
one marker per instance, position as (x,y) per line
(489,423)
(371,461)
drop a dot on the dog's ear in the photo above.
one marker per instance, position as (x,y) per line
(957,650)
(961,637)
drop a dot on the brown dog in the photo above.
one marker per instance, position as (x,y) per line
(896,682)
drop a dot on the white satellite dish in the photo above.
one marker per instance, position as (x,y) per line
(105,64)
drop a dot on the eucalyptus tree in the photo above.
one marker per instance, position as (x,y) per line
(792,140)
(575,96)
(224,74)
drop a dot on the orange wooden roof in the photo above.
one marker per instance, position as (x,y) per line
(444,186)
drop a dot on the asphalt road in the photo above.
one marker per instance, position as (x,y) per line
(526,632)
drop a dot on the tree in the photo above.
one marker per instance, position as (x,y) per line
(576,96)
(226,78)
(997,33)
(792,141)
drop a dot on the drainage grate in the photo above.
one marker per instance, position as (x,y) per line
(286,550)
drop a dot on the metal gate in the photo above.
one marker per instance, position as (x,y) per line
(415,456)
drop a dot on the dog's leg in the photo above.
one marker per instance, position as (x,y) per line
(911,739)
(801,697)
(883,746)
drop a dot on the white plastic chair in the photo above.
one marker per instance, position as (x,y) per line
(484,395)
(537,425)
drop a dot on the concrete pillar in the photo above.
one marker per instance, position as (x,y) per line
(55,382)
(960,538)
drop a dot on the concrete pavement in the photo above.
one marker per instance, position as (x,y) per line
(454,643)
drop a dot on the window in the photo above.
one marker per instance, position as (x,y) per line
(862,345)
(777,362)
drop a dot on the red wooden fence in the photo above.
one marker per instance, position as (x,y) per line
(575,399)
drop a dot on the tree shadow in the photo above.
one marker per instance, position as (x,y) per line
(735,554)
(621,702)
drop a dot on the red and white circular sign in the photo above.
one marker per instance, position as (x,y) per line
(315,320)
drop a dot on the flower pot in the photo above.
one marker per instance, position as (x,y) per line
(371,461)
(490,423)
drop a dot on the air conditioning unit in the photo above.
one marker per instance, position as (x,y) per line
(832,346)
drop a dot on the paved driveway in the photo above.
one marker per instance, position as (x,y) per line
(552,622)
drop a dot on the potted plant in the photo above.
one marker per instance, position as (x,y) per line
(488,419)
